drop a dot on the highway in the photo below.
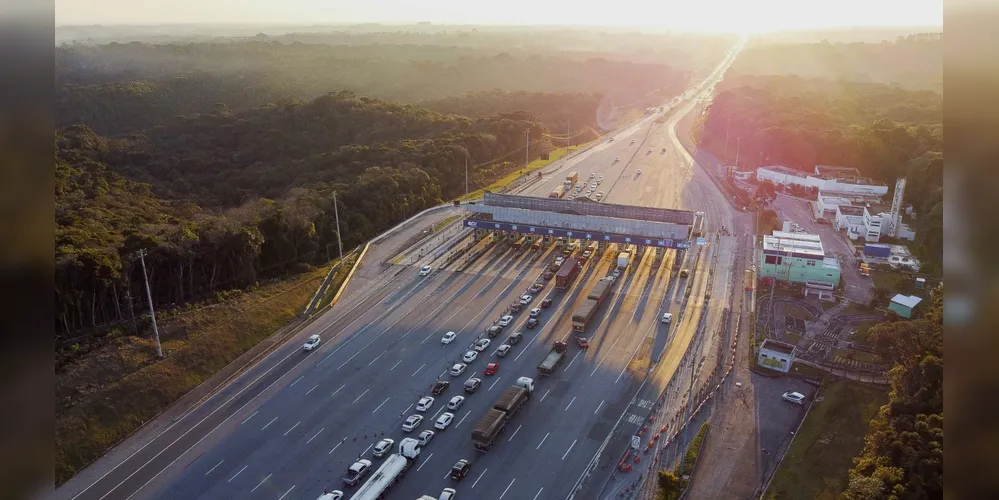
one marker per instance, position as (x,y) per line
(292,424)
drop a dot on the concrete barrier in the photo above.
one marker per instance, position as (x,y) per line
(346,280)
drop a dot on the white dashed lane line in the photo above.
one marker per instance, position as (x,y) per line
(542,441)
(238,473)
(213,468)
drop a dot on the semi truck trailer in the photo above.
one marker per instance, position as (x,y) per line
(552,359)
(581,317)
(390,472)
(566,274)
(496,418)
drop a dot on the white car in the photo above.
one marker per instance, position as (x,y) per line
(593,185)
(535,312)
(503,350)
(444,420)
(617,159)
(481,345)
(526,299)
(425,270)
(424,403)
(794,397)
(632,141)
(600,179)
(312,343)
(592,175)
(650,150)
(505,320)
(599,196)
(412,422)
(425,437)
(448,338)
(455,402)
(384,447)
(333,495)
(458,369)
(447,494)
(469,357)
(639,171)
(667,317)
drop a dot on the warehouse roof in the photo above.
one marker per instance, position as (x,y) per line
(909,301)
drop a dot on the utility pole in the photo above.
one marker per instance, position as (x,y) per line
(336,213)
(738,140)
(149,296)
(527,157)
(466,182)
(727,127)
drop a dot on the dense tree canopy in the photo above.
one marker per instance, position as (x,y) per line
(887,132)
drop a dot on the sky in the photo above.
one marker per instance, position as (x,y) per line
(741,16)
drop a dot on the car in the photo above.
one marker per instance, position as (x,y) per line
(535,312)
(493,331)
(332,495)
(600,179)
(460,469)
(582,342)
(491,369)
(592,175)
(447,494)
(617,272)
(617,159)
(545,304)
(793,397)
(559,260)
(505,320)
(514,338)
(667,317)
(481,345)
(425,437)
(593,185)
(515,307)
(356,471)
(587,253)
(472,384)
(639,171)
(611,279)
(599,196)
(312,343)
(650,150)
(425,270)
(548,275)
(424,403)
(455,402)
(469,357)
(444,420)
(531,323)
(439,387)
(458,369)
(383,447)
(448,338)
(632,141)
(663,150)
(503,350)
(537,287)
(412,422)
(526,299)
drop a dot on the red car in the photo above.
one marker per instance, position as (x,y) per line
(491,368)
(582,342)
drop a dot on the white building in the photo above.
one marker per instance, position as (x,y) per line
(776,355)
(823,179)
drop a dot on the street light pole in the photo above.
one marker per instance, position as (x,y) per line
(336,214)
(527,157)
(149,297)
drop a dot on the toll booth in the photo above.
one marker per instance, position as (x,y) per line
(548,239)
(511,236)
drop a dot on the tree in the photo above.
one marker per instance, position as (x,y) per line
(669,485)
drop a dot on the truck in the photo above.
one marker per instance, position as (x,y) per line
(552,359)
(499,415)
(589,307)
(390,472)
(570,180)
(558,192)
(623,259)
(566,274)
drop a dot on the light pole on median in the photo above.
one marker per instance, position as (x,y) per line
(336,214)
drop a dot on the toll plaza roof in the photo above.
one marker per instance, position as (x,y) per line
(588,208)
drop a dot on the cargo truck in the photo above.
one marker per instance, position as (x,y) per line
(496,419)
(390,472)
(623,259)
(558,192)
(589,307)
(570,180)
(566,274)
(552,360)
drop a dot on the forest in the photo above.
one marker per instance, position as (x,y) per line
(885,131)
(914,62)
(123,88)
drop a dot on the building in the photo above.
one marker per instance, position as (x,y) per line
(798,258)
(904,305)
(776,355)
(825,178)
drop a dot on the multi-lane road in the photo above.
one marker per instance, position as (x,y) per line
(291,425)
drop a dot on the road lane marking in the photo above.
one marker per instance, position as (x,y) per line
(418,369)
(268,423)
(570,403)
(310,390)
(463,418)
(598,407)
(493,384)
(314,437)
(286,493)
(292,428)
(507,488)
(539,494)
(573,361)
(570,449)
(366,449)
(261,483)
(296,381)
(361,396)
(425,460)
(542,441)
(238,473)
(515,433)
(376,358)
(546,395)
(480,477)
(213,468)
(338,390)
(335,447)
(251,416)
(395,365)
(380,406)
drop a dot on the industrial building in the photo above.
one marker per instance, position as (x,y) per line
(798,258)
(776,355)
(824,178)
(904,305)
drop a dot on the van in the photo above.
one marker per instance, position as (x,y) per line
(667,317)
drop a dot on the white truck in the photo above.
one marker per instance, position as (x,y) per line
(390,472)
(623,259)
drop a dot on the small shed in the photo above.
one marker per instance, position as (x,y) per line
(903,305)
(776,355)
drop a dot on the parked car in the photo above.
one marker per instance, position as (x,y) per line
(793,397)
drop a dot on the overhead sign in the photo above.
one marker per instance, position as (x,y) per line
(555,232)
